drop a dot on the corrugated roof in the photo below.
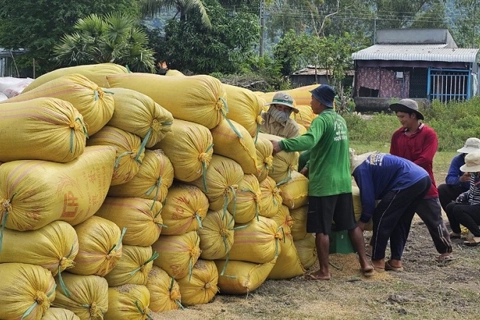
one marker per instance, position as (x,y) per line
(417,53)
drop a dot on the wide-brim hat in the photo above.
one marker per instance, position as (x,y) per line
(356,160)
(324,94)
(471,145)
(472,162)
(283,99)
(407,105)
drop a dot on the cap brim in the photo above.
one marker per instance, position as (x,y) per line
(466,168)
(284,104)
(397,107)
(468,150)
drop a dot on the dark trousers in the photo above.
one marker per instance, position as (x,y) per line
(448,193)
(392,219)
(464,214)
(430,212)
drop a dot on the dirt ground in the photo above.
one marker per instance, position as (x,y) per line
(425,290)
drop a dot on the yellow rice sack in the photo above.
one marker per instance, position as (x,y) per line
(137,113)
(86,296)
(53,247)
(284,220)
(200,99)
(128,302)
(34,193)
(100,247)
(152,180)
(305,116)
(41,129)
(244,107)
(295,191)
(221,181)
(247,200)
(201,287)
(133,267)
(242,277)
(299,226)
(302,95)
(357,207)
(129,154)
(257,241)
(177,254)
(270,199)
(27,291)
(164,291)
(94,72)
(174,73)
(95,106)
(264,157)
(59,314)
(307,252)
(216,236)
(189,148)
(141,218)
(284,163)
(231,140)
(184,209)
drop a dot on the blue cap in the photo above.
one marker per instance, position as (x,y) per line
(324,94)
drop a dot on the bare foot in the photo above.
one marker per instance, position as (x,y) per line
(317,276)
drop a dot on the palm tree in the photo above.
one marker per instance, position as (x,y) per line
(151,7)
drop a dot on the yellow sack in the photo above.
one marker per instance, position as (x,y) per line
(128,302)
(86,296)
(27,291)
(242,277)
(200,99)
(53,247)
(100,247)
(59,314)
(164,291)
(41,129)
(201,287)
(270,199)
(133,267)
(152,180)
(247,201)
(264,157)
(129,154)
(302,95)
(34,193)
(301,130)
(288,262)
(189,148)
(184,209)
(307,251)
(299,226)
(357,207)
(221,181)
(174,73)
(244,107)
(295,191)
(257,241)
(95,106)
(94,72)
(216,236)
(231,140)
(284,163)
(177,254)
(140,217)
(137,113)
(305,116)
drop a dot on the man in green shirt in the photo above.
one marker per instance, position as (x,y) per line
(330,182)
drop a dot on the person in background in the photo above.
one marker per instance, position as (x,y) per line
(277,119)
(456,181)
(400,185)
(417,142)
(466,208)
(330,184)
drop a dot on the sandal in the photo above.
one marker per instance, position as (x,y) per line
(444,258)
(389,267)
(454,235)
(312,276)
(475,241)
(367,273)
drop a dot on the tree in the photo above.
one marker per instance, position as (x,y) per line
(183,7)
(111,38)
(468,21)
(38,26)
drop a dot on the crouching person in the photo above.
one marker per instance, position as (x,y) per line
(400,185)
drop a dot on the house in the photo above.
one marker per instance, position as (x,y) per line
(8,67)
(312,75)
(421,64)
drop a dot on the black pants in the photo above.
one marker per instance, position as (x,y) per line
(466,215)
(448,193)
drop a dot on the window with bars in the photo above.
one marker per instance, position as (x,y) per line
(448,84)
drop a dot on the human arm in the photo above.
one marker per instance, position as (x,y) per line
(367,194)
(454,175)
(429,148)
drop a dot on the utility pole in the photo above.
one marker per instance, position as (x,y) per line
(262,27)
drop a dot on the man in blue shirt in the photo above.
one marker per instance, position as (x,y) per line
(400,185)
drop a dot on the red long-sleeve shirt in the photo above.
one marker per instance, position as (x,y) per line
(420,148)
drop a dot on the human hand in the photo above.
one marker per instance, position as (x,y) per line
(361,225)
(465,177)
(304,171)
(276,146)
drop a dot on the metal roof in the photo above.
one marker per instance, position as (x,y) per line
(417,53)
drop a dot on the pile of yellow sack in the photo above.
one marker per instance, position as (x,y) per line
(125,194)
